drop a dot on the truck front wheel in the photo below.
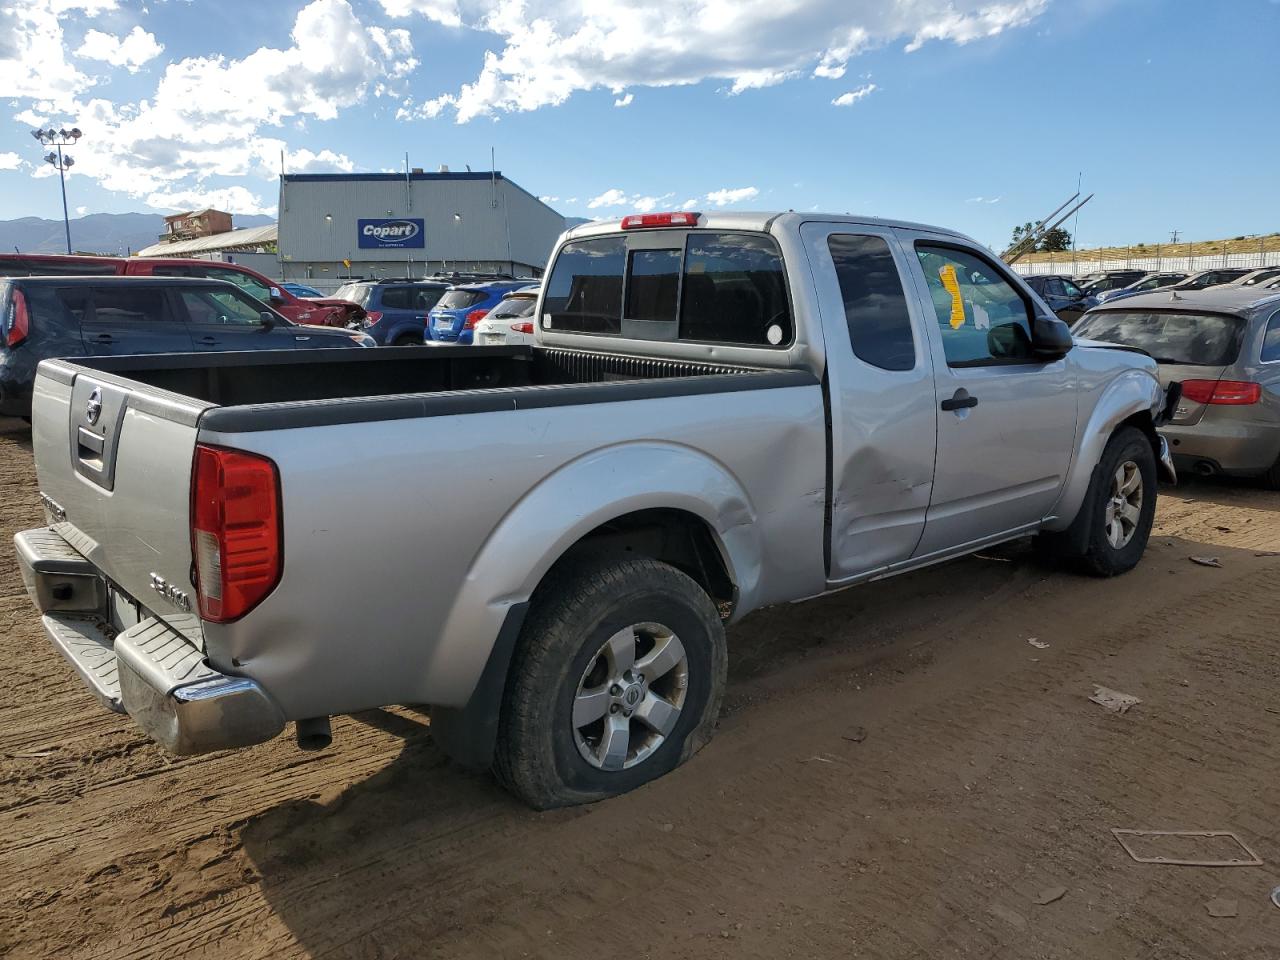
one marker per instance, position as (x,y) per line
(1121,505)
(617,679)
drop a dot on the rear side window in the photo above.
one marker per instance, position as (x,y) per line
(514,307)
(584,294)
(116,305)
(458,299)
(875,305)
(1271,342)
(397,298)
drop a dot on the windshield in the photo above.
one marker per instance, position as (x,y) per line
(1200,339)
(512,307)
(459,299)
(355,292)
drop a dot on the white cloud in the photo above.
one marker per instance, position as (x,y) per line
(232,199)
(30,33)
(610,198)
(10,161)
(549,199)
(617,198)
(984,199)
(551,49)
(625,101)
(853,96)
(723,198)
(690,204)
(219,117)
(130,51)
(81,211)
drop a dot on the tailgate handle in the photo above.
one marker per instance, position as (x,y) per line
(90,446)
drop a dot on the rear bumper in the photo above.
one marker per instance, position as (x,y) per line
(149,670)
(1234,447)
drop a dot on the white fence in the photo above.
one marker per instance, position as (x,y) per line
(1075,267)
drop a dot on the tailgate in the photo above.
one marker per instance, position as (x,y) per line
(113,459)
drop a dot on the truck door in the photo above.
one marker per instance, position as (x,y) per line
(1006,420)
(883,411)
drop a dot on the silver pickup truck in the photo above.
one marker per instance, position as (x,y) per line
(544,543)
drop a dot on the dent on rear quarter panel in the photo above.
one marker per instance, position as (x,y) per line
(382,599)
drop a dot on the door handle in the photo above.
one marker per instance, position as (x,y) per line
(960,400)
(211,341)
(106,338)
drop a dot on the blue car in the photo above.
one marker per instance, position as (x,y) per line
(396,310)
(454,318)
(301,290)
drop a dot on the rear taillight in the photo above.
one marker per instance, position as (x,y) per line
(235,531)
(474,317)
(372,317)
(17,324)
(1239,393)
(526,327)
(639,220)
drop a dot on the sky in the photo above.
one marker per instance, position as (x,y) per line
(973,114)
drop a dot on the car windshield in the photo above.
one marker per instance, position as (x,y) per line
(459,299)
(512,307)
(1201,339)
(355,292)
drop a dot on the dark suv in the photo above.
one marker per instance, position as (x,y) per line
(1062,295)
(396,309)
(44,317)
(1104,280)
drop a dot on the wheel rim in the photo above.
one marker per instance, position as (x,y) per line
(630,696)
(1124,507)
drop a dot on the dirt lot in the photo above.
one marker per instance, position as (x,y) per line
(984,778)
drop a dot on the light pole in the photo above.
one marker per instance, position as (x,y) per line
(60,138)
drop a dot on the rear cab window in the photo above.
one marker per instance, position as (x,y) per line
(689,285)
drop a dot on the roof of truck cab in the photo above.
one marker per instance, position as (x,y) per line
(762,221)
(1224,298)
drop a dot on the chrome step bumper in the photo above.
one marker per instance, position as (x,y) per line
(149,671)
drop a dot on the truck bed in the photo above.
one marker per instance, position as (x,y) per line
(393,383)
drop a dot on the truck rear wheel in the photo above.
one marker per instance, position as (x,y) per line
(617,679)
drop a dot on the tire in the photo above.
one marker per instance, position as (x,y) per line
(1271,479)
(1116,537)
(585,613)
(407,340)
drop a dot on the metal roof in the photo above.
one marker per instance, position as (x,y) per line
(1224,298)
(231,240)
(346,177)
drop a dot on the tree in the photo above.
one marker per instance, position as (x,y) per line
(1021,233)
(1056,241)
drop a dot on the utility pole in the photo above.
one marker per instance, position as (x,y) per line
(1173,237)
(60,138)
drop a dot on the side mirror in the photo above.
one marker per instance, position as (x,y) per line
(268,319)
(1050,339)
(274,294)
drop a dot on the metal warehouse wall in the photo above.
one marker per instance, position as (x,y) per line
(468,217)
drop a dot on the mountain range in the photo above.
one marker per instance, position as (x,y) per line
(106,233)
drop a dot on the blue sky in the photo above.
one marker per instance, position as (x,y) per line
(976,114)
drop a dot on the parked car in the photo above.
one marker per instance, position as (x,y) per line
(1147,283)
(511,321)
(720,412)
(1223,345)
(454,318)
(302,291)
(1062,295)
(1099,282)
(1209,278)
(396,311)
(1260,277)
(46,317)
(328,312)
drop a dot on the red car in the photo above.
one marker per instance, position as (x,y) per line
(327,313)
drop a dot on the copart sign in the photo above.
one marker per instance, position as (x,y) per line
(380,234)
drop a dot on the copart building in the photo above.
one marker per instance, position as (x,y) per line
(339,225)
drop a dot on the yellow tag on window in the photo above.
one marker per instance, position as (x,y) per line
(948,275)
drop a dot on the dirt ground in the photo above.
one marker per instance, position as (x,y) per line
(898,773)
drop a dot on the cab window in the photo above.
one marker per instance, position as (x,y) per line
(221,307)
(982,319)
(875,306)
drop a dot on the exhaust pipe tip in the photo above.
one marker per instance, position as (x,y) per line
(1205,469)
(314,733)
